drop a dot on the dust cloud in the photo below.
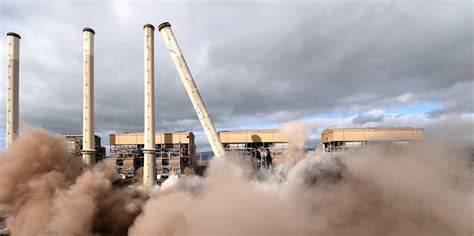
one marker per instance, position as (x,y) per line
(381,191)
(297,133)
(52,194)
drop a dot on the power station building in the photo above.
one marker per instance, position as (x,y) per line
(74,144)
(174,152)
(346,139)
(255,143)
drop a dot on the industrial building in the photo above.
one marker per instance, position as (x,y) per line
(346,139)
(74,144)
(264,146)
(174,153)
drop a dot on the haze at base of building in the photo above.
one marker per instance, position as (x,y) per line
(361,195)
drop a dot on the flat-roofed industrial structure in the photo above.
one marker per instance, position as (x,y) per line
(255,143)
(174,152)
(74,144)
(345,139)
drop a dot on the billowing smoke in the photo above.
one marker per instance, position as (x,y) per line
(373,192)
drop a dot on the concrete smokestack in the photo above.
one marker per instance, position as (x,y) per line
(191,88)
(88,135)
(13,40)
(149,165)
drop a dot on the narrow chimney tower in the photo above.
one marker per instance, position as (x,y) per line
(88,135)
(149,165)
(13,40)
(191,88)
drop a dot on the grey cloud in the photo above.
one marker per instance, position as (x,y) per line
(458,99)
(265,62)
(364,118)
(317,64)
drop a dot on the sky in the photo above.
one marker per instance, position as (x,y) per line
(257,64)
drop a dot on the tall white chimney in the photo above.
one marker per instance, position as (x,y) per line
(13,40)
(191,88)
(149,165)
(88,134)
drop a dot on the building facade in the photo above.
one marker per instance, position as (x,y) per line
(74,145)
(346,139)
(265,147)
(174,153)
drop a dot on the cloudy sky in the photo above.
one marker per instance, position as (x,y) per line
(257,65)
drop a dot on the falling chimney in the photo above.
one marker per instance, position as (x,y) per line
(88,135)
(13,40)
(149,165)
(191,88)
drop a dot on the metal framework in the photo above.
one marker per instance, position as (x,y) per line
(74,143)
(254,149)
(263,147)
(173,154)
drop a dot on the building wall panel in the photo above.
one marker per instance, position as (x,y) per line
(251,136)
(371,134)
(354,135)
(378,135)
(160,138)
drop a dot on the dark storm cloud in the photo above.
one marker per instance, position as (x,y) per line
(371,116)
(252,62)
(324,58)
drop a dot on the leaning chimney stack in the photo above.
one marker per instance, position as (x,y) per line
(149,165)
(88,135)
(191,88)
(13,40)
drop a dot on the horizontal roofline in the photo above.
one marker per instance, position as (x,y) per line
(371,128)
(249,130)
(141,133)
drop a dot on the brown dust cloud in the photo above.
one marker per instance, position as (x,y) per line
(423,190)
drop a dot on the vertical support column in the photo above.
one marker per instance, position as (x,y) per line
(13,76)
(88,134)
(191,88)
(149,151)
